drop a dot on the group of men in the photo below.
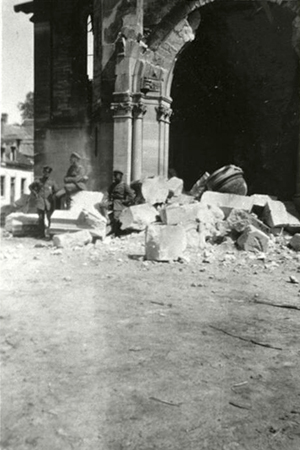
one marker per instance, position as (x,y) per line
(49,197)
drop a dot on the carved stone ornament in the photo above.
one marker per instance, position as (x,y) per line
(150,85)
(163,113)
(139,110)
(122,107)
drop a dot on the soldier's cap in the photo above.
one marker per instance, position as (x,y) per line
(118,171)
(76,155)
(47,169)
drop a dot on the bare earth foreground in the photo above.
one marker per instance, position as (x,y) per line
(102,350)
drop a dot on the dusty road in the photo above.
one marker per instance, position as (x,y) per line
(101,350)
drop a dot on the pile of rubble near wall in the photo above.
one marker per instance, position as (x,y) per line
(175,223)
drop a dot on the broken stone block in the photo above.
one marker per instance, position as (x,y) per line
(182,199)
(253,239)
(209,213)
(175,214)
(20,224)
(238,220)
(94,221)
(259,201)
(275,214)
(227,202)
(200,186)
(63,221)
(165,242)
(138,217)
(88,200)
(295,242)
(293,215)
(77,239)
(175,186)
(155,190)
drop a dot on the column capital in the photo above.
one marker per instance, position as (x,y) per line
(164,113)
(122,109)
(139,110)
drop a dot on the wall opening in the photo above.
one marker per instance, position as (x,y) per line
(236,97)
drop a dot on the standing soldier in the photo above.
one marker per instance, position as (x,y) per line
(43,188)
(120,196)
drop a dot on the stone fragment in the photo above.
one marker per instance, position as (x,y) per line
(238,220)
(182,199)
(175,186)
(259,201)
(77,239)
(94,221)
(165,242)
(253,239)
(200,186)
(293,215)
(175,214)
(295,242)
(88,200)
(138,217)
(155,190)
(227,202)
(275,214)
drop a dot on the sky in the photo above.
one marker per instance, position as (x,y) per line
(16,59)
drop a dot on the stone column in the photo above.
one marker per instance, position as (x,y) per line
(122,146)
(164,113)
(137,149)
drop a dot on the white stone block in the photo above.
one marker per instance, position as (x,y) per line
(253,239)
(138,217)
(155,190)
(227,202)
(175,186)
(165,242)
(275,214)
(77,239)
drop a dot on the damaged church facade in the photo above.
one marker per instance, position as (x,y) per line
(149,85)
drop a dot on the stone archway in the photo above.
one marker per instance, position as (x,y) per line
(144,74)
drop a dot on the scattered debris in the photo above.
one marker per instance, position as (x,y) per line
(245,339)
(155,190)
(239,406)
(293,280)
(164,402)
(253,239)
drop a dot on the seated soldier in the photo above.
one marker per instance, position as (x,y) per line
(74,181)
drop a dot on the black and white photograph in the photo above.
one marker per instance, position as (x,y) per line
(150,225)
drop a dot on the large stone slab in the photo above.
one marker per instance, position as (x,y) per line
(71,240)
(21,224)
(138,217)
(155,190)
(253,239)
(71,221)
(275,214)
(95,223)
(165,242)
(227,202)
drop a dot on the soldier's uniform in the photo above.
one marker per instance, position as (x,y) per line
(74,179)
(120,196)
(44,190)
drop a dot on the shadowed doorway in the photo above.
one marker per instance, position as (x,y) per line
(236,97)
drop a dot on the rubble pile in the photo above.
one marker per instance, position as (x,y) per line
(176,223)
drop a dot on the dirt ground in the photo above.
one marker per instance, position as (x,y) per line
(102,350)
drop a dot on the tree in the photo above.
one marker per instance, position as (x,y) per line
(26,107)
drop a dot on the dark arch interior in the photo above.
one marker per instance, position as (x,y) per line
(236,97)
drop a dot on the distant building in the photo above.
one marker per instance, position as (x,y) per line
(17,151)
